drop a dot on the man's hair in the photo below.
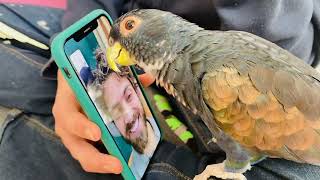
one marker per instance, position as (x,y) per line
(95,88)
(103,71)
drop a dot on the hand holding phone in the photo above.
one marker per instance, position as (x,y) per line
(114,101)
(75,129)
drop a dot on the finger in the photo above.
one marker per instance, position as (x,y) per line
(64,92)
(89,157)
(78,124)
(146,79)
(68,114)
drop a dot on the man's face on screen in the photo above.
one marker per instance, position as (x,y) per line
(126,110)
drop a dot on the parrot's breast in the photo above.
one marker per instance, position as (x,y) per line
(257,120)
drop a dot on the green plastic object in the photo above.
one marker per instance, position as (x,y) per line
(162,103)
(185,136)
(58,53)
(173,122)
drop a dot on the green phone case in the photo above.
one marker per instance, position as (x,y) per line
(58,53)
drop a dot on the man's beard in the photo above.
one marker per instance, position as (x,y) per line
(139,143)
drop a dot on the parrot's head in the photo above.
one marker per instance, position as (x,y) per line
(147,37)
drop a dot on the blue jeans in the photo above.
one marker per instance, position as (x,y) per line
(29,149)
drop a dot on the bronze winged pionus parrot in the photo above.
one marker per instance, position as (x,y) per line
(257,99)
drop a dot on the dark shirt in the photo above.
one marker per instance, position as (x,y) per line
(292,24)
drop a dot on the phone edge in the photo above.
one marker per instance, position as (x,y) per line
(58,54)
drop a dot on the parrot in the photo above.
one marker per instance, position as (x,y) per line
(257,99)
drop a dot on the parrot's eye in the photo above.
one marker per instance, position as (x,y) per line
(130,24)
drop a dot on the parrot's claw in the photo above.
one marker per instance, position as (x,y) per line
(218,170)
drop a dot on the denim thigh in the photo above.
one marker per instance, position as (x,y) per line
(178,162)
(172,162)
(21,85)
(29,149)
(272,169)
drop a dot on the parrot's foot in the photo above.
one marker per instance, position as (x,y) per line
(218,170)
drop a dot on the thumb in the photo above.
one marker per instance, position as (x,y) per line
(146,79)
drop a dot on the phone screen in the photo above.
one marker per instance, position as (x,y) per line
(117,96)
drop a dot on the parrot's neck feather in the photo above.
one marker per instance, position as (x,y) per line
(151,68)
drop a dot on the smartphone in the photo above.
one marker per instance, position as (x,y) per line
(115,101)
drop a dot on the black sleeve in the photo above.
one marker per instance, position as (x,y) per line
(201,12)
(292,24)
(76,9)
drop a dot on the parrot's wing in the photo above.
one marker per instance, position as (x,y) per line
(268,103)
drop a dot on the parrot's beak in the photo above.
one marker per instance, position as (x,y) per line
(116,54)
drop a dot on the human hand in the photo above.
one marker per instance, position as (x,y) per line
(146,79)
(77,132)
